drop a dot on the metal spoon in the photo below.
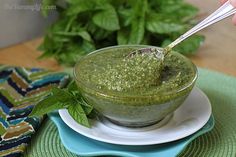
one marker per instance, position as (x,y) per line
(221,13)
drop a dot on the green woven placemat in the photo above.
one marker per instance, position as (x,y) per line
(221,141)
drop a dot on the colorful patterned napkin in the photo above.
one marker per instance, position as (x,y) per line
(20,89)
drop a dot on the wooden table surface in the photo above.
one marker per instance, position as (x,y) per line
(218,52)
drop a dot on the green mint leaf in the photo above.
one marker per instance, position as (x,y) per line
(73,51)
(47,105)
(73,89)
(83,34)
(126,16)
(107,18)
(93,114)
(80,6)
(86,107)
(183,10)
(84,26)
(91,27)
(78,114)
(49,45)
(62,95)
(157,24)
(46,54)
(190,45)
(69,58)
(72,86)
(137,31)
(87,46)
(138,23)
(122,37)
(101,34)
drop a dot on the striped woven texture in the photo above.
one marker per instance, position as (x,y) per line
(220,142)
(20,90)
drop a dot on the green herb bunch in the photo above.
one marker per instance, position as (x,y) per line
(86,25)
(68,98)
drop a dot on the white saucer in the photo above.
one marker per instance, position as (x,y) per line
(192,115)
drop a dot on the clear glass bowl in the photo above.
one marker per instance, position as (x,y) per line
(134,110)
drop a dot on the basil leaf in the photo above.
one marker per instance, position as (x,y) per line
(72,86)
(156,24)
(190,45)
(101,34)
(186,11)
(138,24)
(126,16)
(78,114)
(87,46)
(107,18)
(85,35)
(80,6)
(69,98)
(61,95)
(122,37)
(73,51)
(84,26)
(82,33)
(137,31)
(47,105)
(86,107)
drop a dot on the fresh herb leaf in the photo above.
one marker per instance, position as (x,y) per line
(137,31)
(122,37)
(82,33)
(101,34)
(186,11)
(72,87)
(84,26)
(87,46)
(61,94)
(107,18)
(47,105)
(78,114)
(79,6)
(157,24)
(69,98)
(126,16)
(87,108)
(188,46)
(138,23)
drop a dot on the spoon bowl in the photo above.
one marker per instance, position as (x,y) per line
(159,53)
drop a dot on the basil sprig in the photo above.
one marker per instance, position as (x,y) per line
(86,25)
(68,98)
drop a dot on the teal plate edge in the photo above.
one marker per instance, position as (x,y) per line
(84,146)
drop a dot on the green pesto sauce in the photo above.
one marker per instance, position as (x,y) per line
(131,73)
(112,71)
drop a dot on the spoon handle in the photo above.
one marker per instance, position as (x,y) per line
(223,12)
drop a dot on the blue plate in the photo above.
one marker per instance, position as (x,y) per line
(84,146)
